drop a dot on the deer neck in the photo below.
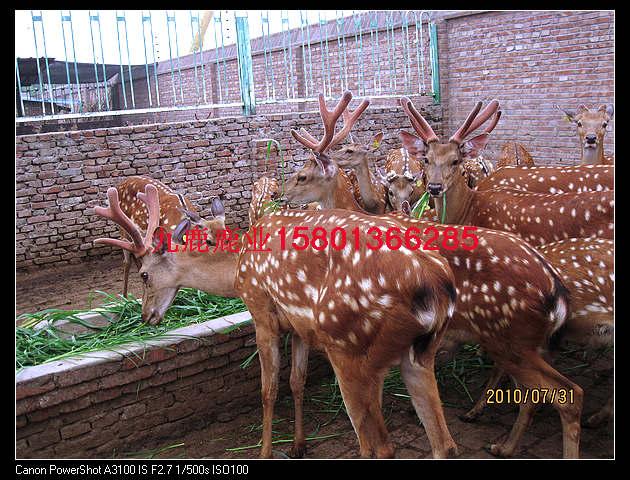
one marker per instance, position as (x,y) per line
(593,156)
(459,199)
(210,272)
(366,182)
(340,196)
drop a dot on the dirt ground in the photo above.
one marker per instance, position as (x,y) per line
(70,287)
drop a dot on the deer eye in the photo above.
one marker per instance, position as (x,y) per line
(145,277)
(605,124)
(579,124)
(426,161)
(301,178)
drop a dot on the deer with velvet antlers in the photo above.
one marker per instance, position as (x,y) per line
(395,322)
(537,218)
(176,215)
(514,330)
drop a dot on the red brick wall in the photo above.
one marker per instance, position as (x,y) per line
(124,402)
(61,176)
(529,61)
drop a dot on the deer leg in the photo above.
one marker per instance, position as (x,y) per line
(126,256)
(299,364)
(418,373)
(600,417)
(523,421)
(538,374)
(362,393)
(269,355)
(474,413)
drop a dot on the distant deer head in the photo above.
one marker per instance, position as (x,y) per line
(591,129)
(442,160)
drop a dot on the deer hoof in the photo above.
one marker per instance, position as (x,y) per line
(297,451)
(498,450)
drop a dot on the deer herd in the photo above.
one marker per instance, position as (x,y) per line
(541,271)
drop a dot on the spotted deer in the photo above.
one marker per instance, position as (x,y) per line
(177,214)
(591,129)
(553,179)
(162,272)
(536,217)
(586,266)
(263,191)
(513,329)
(514,154)
(366,312)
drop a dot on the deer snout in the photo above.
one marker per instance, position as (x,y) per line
(435,189)
(591,139)
(151,317)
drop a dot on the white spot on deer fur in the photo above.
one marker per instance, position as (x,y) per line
(381,280)
(338,283)
(301,276)
(365,284)
(385,300)
(356,258)
(348,281)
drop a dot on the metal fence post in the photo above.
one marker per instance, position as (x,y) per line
(245,66)
(435,65)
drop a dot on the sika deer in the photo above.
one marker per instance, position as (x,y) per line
(331,300)
(177,213)
(591,129)
(163,273)
(537,218)
(564,179)
(586,266)
(512,329)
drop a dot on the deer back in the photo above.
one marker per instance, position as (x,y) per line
(354,300)
(559,179)
(541,218)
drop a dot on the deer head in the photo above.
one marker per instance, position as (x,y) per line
(442,160)
(316,181)
(591,129)
(163,273)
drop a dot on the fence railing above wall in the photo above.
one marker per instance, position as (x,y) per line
(102,63)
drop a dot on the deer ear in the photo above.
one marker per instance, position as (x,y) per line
(160,241)
(473,147)
(217,208)
(608,109)
(180,230)
(413,144)
(325,163)
(376,141)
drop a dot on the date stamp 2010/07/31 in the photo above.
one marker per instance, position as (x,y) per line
(533,395)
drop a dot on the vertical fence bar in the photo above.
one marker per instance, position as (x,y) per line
(203,74)
(376,58)
(76,67)
(325,56)
(65,54)
(341,50)
(146,58)
(50,91)
(217,21)
(404,41)
(179,68)
(155,75)
(435,66)
(192,34)
(169,19)
(358,39)
(98,92)
(39,72)
(133,97)
(100,35)
(286,45)
(122,72)
(264,20)
(22,113)
(245,70)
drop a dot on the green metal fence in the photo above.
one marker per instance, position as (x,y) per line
(97,63)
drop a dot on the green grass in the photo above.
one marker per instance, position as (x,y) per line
(34,347)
